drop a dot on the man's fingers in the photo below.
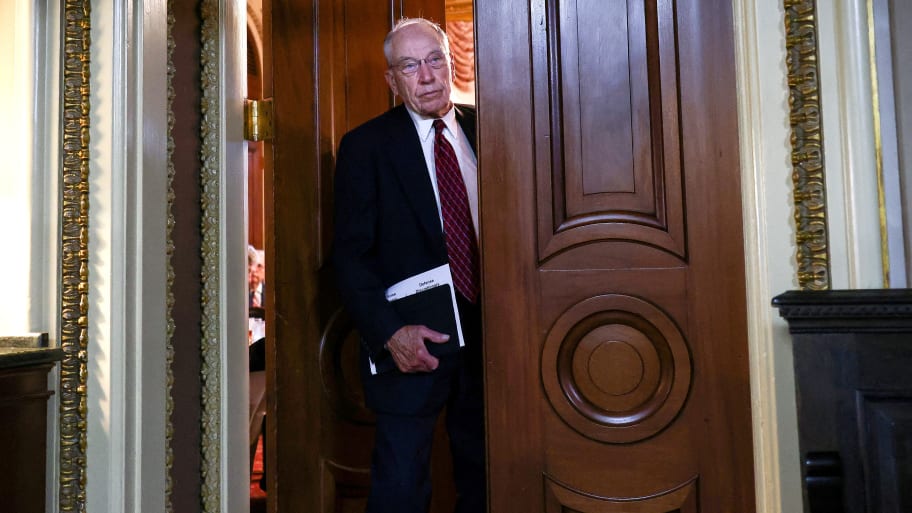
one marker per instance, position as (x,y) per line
(418,361)
(408,349)
(434,336)
(428,361)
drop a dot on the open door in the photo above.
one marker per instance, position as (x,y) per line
(615,317)
(327,70)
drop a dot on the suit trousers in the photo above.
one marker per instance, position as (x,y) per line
(400,470)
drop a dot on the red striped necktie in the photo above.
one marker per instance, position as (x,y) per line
(459,232)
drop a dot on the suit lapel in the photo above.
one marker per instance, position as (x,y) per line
(407,157)
(466,119)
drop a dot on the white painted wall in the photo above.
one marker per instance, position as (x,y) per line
(106,388)
(848,131)
(127,276)
(28,199)
(235,460)
(16,50)
(127,330)
(769,247)
(852,208)
(29,54)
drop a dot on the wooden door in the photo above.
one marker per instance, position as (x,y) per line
(328,77)
(614,308)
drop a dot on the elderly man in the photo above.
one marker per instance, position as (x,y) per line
(406,202)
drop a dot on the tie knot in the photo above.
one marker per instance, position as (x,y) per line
(439,126)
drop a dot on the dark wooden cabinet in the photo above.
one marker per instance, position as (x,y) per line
(24,395)
(853,374)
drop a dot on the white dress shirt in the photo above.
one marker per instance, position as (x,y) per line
(468,165)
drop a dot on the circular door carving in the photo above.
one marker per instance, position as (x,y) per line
(339,354)
(616,368)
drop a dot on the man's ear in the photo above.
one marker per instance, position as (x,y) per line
(391,82)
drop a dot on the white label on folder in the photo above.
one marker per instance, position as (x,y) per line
(426,280)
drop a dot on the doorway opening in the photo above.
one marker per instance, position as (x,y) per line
(310,381)
(257,163)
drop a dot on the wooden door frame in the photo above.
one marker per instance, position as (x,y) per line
(291,266)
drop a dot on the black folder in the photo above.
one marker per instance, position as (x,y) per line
(433,308)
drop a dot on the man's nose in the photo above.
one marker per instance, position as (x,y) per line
(425,72)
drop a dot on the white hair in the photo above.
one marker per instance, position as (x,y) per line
(406,22)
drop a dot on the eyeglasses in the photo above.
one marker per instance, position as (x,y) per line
(409,67)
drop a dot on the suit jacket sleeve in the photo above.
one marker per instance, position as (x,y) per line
(355,259)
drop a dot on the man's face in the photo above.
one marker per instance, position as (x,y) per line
(427,90)
(253,277)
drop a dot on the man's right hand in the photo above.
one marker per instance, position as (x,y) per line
(408,349)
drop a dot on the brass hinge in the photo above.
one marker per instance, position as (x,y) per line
(258,119)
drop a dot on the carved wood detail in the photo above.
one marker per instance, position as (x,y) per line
(608,163)
(616,368)
(347,486)
(562,498)
(339,347)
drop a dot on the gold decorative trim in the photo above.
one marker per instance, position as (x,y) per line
(458,10)
(169,286)
(211,355)
(74,253)
(878,148)
(809,191)
(462,48)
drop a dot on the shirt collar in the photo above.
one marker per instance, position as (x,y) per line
(425,127)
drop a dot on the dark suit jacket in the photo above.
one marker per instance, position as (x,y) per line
(387,228)
(262,287)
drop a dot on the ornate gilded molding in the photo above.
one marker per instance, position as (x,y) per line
(211,355)
(169,286)
(74,253)
(808,177)
(462,48)
(458,10)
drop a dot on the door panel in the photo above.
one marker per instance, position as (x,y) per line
(615,335)
(607,152)
(327,78)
